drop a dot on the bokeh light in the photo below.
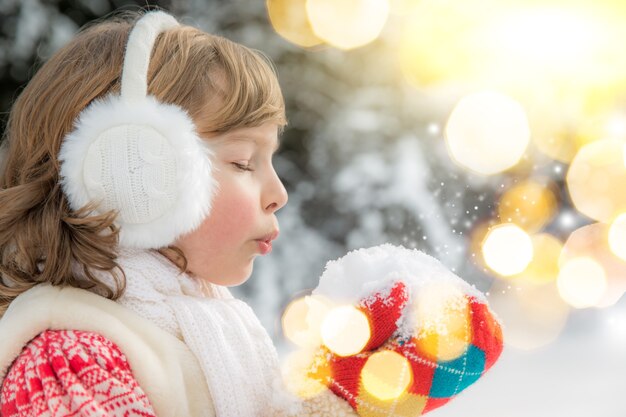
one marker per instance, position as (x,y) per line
(294,322)
(581,282)
(290,20)
(487,132)
(575,43)
(347,24)
(442,316)
(477,237)
(562,134)
(552,135)
(294,369)
(386,375)
(617,236)
(544,266)
(457,53)
(592,241)
(595,177)
(561,39)
(302,320)
(529,204)
(602,126)
(534,315)
(507,249)
(345,330)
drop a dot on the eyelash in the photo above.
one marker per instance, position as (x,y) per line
(242,167)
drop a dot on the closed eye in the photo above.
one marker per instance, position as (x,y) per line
(242,167)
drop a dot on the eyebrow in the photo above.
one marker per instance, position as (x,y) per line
(253,140)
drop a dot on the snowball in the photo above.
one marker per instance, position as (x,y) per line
(361,273)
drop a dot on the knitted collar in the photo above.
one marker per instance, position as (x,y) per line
(235,352)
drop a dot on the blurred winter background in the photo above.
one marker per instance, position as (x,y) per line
(487,133)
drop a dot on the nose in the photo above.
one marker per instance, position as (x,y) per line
(276,195)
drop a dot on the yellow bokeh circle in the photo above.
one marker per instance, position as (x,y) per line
(289,19)
(294,322)
(581,282)
(386,375)
(592,241)
(596,178)
(544,266)
(345,330)
(487,132)
(442,314)
(530,205)
(347,24)
(534,314)
(433,53)
(507,249)
(295,368)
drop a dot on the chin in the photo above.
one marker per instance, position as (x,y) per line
(233,282)
(236,278)
(226,276)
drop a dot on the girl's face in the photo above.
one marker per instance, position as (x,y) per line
(223,248)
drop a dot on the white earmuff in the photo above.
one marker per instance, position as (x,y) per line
(138,156)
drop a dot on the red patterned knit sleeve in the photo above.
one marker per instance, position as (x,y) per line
(72,373)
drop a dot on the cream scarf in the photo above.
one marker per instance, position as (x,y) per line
(236,354)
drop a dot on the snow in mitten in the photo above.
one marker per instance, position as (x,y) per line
(428,334)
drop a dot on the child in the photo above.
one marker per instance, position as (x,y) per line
(137,185)
(233,101)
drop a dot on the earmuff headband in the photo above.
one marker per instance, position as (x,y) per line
(139,157)
(138,50)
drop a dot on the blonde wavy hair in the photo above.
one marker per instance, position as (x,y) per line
(221,84)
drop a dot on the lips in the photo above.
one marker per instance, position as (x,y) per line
(265,242)
(268,237)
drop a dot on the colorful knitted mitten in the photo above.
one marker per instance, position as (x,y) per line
(431,335)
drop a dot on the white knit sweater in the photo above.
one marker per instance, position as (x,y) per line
(235,352)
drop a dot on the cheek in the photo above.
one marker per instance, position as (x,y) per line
(232,216)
